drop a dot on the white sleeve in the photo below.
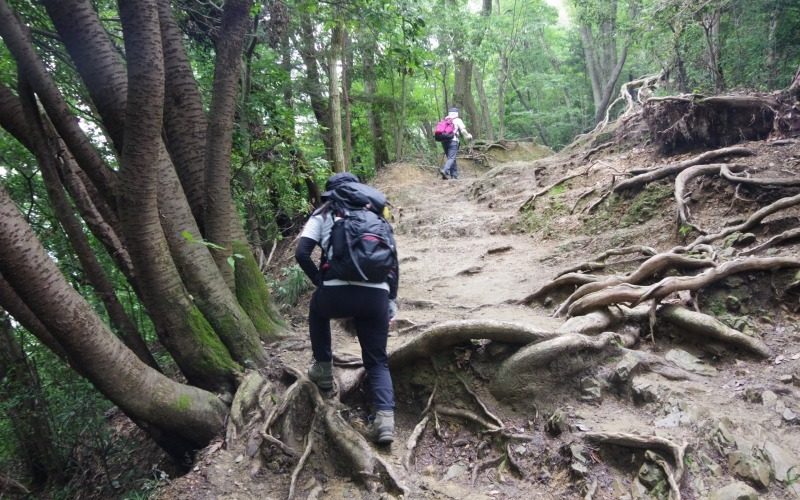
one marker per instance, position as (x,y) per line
(461,128)
(313,228)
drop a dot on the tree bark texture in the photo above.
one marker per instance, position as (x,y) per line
(379,148)
(220,214)
(193,416)
(335,99)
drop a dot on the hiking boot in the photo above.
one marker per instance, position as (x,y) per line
(321,373)
(381,430)
(444,174)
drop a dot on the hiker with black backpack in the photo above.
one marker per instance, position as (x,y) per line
(357,278)
(448,131)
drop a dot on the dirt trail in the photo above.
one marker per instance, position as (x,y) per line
(460,259)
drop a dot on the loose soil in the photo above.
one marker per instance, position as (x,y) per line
(467,253)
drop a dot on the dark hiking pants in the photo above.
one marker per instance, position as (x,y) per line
(450,166)
(369,307)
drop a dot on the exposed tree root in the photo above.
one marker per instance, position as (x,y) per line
(532,199)
(12,486)
(632,294)
(728,173)
(302,460)
(483,465)
(790,234)
(580,198)
(675,452)
(751,222)
(599,261)
(651,267)
(561,281)
(707,326)
(520,369)
(684,177)
(450,333)
(660,173)
(413,440)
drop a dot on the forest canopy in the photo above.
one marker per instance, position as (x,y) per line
(153,153)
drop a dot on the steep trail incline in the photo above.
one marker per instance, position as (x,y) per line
(458,258)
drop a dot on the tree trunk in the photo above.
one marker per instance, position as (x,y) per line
(185,122)
(220,214)
(379,149)
(335,102)
(29,413)
(486,117)
(197,269)
(312,85)
(43,147)
(181,417)
(347,112)
(502,78)
(190,339)
(15,37)
(400,128)
(711,25)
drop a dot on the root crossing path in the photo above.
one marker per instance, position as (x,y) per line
(499,398)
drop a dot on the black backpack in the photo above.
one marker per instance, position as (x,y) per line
(361,246)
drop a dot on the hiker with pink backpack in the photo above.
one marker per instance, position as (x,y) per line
(448,131)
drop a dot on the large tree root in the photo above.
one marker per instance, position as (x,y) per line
(599,262)
(653,266)
(660,173)
(787,235)
(684,177)
(707,326)
(728,173)
(451,333)
(520,370)
(675,452)
(751,222)
(633,295)
(561,281)
(532,199)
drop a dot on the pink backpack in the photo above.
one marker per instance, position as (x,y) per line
(445,130)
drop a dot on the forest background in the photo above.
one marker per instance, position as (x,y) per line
(283,93)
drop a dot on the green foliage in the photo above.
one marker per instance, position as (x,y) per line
(291,285)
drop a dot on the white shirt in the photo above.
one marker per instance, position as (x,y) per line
(318,228)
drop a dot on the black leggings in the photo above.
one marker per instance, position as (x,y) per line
(369,307)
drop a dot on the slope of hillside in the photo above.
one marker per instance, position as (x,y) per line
(498,397)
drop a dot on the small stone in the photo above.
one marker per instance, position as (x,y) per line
(750,468)
(670,421)
(753,395)
(455,471)
(769,399)
(578,469)
(650,475)
(789,415)
(785,465)
(643,391)
(690,363)
(732,303)
(735,491)
(239,459)
(786,379)
(624,369)
(711,465)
